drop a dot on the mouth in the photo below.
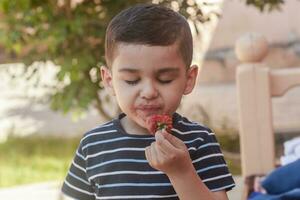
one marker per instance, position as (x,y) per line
(148,110)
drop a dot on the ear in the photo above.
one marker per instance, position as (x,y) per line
(106,77)
(191,79)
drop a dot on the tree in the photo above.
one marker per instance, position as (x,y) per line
(263,5)
(70,33)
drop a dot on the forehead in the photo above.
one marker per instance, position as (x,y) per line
(144,57)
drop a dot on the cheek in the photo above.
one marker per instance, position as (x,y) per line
(124,94)
(175,100)
(172,99)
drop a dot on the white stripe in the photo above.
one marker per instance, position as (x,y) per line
(189,123)
(143,149)
(98,133)
(113,151)
(211,167)
(188,132)
(222,188)
(104,125)
(192,148)
(117,161)
(133,185)
(190,141)
(215,178)
(115,140)
(79,155)
(208,144)
(78,178)
(78,189)
(208,156)
(125,172)
(137,196)
(78,167)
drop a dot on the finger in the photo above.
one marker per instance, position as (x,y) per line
(159,157)
(173,140)
(163,144)
(151,156)
(153,151)
(148,154)
(161,152)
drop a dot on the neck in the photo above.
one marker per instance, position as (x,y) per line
(133,128)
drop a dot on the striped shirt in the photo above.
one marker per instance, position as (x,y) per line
(111,164)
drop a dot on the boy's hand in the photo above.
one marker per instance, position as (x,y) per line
(168,154)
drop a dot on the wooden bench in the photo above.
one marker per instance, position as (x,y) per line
(256,85)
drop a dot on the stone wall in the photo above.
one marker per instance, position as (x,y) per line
(219,65)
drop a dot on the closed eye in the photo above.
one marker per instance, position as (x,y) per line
(133,82)
(165,81)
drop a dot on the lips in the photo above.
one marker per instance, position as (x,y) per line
(149,109)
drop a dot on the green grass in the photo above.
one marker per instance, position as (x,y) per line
(35,159)
(229,143)
(234,166)
(230,146)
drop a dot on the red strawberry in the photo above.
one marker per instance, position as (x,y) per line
(159,122)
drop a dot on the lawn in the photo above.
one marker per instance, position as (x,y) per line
(37,159)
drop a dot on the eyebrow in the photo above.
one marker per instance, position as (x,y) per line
(130,70)
(168,70)
(160,71)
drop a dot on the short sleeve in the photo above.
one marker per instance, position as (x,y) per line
(211,166)
(76,184)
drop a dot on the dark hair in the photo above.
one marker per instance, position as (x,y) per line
(149,24)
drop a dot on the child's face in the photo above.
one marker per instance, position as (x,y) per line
(148,80)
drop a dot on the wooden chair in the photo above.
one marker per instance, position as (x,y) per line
(256,85)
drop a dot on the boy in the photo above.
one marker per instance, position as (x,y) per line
(148,53)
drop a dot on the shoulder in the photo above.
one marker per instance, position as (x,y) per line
(185,127)
(98,133)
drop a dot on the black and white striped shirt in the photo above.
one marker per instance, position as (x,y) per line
(111,164)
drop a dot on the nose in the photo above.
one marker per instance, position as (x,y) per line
(149,91)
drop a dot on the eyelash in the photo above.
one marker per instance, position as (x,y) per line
(165,82)
(136,81)
(132,82)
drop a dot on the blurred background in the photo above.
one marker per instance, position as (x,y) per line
(51,92)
